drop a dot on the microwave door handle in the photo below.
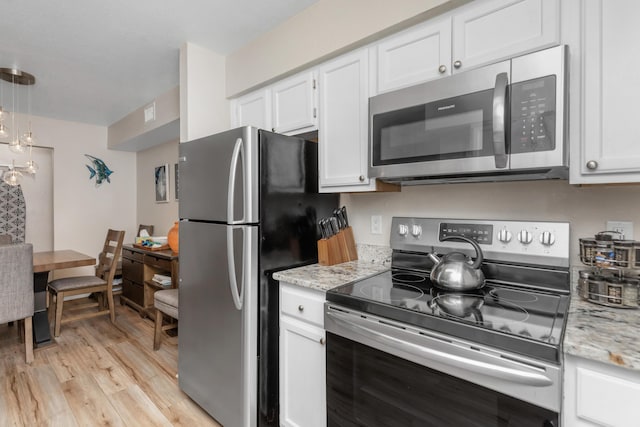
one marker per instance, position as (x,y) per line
(499,120)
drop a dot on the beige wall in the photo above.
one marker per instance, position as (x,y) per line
(160,215)
(321,31)
(83,212)
(586,208)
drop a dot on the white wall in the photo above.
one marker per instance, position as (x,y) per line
(160,215)
(204,109)
(586,208)
(82,211)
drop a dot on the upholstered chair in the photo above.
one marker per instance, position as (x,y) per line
(16,290)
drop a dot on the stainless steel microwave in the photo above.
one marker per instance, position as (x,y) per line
(505,121)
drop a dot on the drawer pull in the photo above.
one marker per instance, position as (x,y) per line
(321,341)
(301,308)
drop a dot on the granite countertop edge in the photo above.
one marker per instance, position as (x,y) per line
(602,334)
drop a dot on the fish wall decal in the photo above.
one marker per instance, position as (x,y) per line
(99,170)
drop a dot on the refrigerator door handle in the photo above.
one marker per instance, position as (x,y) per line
(238,297)
(238,151)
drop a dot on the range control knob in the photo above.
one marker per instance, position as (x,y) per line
(416,230)
(403,229)
(547,238)
(525,237)
(504,235)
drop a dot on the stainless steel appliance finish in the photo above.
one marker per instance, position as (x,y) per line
(248,207)
(505,121)
(502,341)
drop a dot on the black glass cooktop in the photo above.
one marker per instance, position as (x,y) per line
(518,319)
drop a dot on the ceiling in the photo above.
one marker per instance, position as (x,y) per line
(96,61)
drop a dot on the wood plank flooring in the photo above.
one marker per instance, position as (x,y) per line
(96,374)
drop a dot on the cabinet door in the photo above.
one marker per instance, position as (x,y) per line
(491,31)
(413,56)
(343,135)
(302,374)
(597,394)
(253,109)
(294,104)
(610,143)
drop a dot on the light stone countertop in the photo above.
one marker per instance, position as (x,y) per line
(602,334)
(325,278)
(372,260)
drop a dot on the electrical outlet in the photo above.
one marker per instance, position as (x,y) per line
(376,224)
(624,227)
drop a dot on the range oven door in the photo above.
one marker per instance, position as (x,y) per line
(382,373)
(452,125)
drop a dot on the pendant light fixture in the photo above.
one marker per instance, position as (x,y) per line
(10,127)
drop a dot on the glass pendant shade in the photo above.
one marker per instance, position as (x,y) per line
(17,146)
(12,177)
(4,130)
(31,167)
(27,138)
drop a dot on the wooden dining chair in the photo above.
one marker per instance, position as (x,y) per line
(101,284)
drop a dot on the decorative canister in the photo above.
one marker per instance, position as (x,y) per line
(588,251)
(172,237)
(624,253)
(604,255)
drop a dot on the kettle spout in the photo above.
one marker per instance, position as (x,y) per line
(434,258)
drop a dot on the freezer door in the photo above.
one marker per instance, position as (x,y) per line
(219,177)
(218,320)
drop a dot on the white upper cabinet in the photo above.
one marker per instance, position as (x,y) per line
(294,103)
(288,106)
(413,56)
(479,33)
(252,109)
(608,150)
(342,133)
(490,31)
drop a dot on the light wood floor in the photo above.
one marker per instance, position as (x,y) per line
(97,374)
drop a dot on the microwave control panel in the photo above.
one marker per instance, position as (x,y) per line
(533,115)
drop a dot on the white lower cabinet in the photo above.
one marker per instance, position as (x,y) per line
(598,394)
(302,357)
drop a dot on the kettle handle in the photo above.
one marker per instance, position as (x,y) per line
(479,257)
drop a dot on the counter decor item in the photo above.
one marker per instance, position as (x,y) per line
(614,277)
(172,237)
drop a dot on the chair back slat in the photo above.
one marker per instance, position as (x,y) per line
(108,258)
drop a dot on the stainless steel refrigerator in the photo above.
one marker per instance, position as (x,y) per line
(249,206)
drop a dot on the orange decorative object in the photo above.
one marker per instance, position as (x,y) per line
(172,237)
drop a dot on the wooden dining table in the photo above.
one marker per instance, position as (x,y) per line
(43,263)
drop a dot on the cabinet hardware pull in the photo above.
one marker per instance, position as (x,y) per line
(322,341)
(457,64)
(300,307)
(442,69)
(592,165)
(361,178)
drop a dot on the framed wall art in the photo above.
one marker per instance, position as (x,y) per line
(162,183)
(176,181)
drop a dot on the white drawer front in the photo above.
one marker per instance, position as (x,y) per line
(302,303)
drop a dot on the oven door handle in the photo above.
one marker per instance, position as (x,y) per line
(500,120)
(454,360)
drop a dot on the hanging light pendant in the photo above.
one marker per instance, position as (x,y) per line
(18,143)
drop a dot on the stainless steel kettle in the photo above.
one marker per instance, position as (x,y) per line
(455,271)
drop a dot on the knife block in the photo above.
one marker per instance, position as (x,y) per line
(349,243)
(337,249)
(330,251)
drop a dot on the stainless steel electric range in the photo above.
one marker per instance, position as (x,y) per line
(401,352)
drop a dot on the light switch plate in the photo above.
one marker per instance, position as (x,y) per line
(376,224)
(624,227)
(150,113)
